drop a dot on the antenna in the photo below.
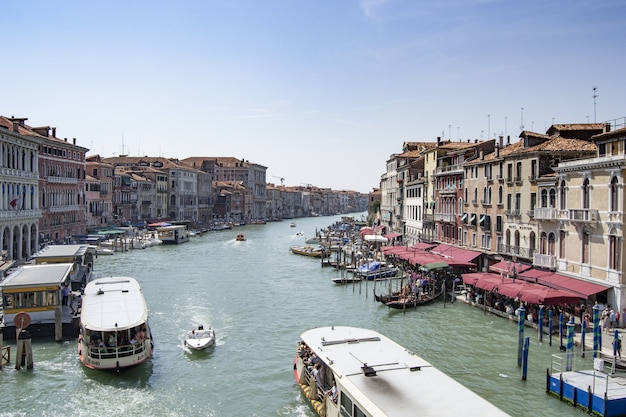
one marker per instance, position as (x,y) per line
(521,126)
(488,126)
(595,95)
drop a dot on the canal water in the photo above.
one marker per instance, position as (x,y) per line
(259,298)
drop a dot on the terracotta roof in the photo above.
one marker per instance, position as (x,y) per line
(609,135)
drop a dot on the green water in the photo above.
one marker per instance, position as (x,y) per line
(259,297)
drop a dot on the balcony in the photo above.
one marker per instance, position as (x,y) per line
(614,217)
(61,180)
(532,178)
(64,209)
(489,179)
(584,215)
(450,169)
(512,213)
(448,190)
(509,180)
(544,261)
(499,177)
(516,251)
(545,213)
(485,203)
(517,180)
(445,217)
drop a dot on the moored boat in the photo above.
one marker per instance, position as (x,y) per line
(240,237)
(312,251)
(359,372)
(41,291)
(114,333)
(81,256)
(376,270)
(173,234)
(200,339)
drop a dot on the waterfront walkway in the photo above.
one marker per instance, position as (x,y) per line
(606,348)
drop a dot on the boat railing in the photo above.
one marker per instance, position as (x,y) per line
(96,352)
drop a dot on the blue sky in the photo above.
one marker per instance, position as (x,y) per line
(320,92)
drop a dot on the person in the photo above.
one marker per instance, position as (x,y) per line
(333,392)
(619,346)
(65,289)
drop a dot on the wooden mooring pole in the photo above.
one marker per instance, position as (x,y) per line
(24,356)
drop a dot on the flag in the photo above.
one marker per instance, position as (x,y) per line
(13,202)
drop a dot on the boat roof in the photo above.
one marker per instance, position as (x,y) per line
(113,302)
(404,384)
(62,251)
(37,275)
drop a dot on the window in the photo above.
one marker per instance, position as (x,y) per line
(614,250)
(585,240)
(585,192)
(561,244)
(613,195)
(562,196)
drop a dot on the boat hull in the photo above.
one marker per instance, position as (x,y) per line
(200,339)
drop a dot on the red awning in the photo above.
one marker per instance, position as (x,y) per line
(422,245)
(392,235)
(540,294)
(509,267)
(424,258)
(458,254)
(483,280)
(562,282)
(512,288)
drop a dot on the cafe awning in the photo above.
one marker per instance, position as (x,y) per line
(562,282)
(392,235)
(510,267)
(456,253)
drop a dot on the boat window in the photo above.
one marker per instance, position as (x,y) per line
(358,412)
(346,405)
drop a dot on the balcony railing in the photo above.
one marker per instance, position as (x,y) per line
(62,180)
(615,216)
(448,190)
(512,213)
(445,217)
(584,215)
(544,261)
(545,213)
(516,251)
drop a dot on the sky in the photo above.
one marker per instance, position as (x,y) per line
(321,92)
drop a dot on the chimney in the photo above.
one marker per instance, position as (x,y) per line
(508,140)
(74,141)
(607,127)
(438,140)
(16,125)
(498,150)
(54,132)
(482,154)
(500,138)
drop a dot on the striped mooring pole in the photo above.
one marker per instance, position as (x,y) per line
(596,330)
(570,345)
(520,333)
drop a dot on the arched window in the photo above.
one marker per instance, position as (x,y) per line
(562,196)
(613,196)
(543,243)
(475,200)
(561,244)
(585,192)
(500,195)
(585,246)
(552,202)
(551,243)
(489,196)
(544,198)
(531,242)
(614,249)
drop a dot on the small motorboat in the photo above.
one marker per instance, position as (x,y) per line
(200,339)
(240,237)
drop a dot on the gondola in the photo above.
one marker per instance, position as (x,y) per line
(412,301)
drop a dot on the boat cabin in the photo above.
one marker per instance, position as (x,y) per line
(173,234)
(38,291)
(80,256)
